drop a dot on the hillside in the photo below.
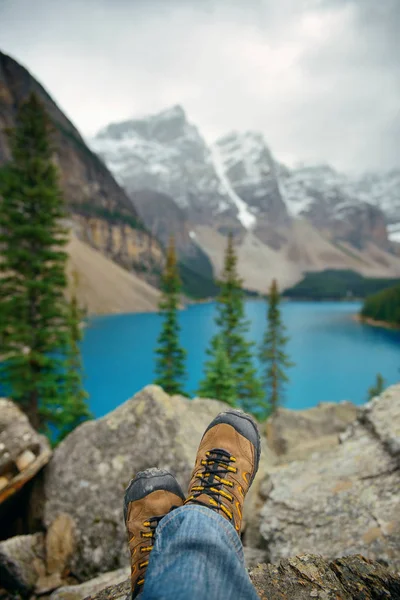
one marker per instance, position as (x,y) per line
(337,285)
(104,287)
(164,218)
(383,307)
(104,216)
(286,222)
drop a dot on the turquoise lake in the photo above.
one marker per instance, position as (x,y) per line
(336,357)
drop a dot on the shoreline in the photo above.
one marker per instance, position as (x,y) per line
(373,323)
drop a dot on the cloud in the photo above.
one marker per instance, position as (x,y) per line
(320,78)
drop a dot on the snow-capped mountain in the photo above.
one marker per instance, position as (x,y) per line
(382,190)
(286,220)
(166,153)
(251,170)
(329,200)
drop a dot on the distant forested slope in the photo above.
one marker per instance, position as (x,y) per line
(384,306)
(334,284)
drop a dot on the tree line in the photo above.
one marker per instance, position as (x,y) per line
(41,320)
(40,329)
(383,306)
(230,374)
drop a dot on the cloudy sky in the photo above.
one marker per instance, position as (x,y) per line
(320,78)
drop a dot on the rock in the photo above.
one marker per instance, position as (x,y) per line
(382,417)
(92,467)
(343,501)
(22,562)
(60,544)
(295,435)
(23,452)
(308,576)
(37,562)
(89,588)
(253,556)
(302,578)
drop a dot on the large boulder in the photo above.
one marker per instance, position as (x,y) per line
(92,467)
(343,501)
(301,578)
(23,452)
(296,434)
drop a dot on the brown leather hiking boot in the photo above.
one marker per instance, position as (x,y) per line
(149,496)
(226,463)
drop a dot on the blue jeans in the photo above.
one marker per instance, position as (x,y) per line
(197,555)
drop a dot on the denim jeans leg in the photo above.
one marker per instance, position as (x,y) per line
(197,556)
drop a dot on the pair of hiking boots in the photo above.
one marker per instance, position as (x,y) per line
(226,464)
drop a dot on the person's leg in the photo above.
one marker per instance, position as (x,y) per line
(197,551)
(197,555)
(149,497)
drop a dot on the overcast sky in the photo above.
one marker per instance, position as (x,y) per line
(320,78)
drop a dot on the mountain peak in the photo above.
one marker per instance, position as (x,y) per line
(175,112)
(164,127)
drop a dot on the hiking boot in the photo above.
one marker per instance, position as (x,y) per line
(226,464)
(148,498)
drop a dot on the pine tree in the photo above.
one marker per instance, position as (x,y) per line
(232,330)
(34,332)
(76,410)
(272,352)
(219,378)
(170,365)
(377,388)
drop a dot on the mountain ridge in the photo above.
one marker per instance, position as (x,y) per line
(236,185)
(103,215)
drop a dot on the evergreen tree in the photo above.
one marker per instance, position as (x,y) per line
(233,328)
(34,331)
(377,388)
(76,410)
(272,352)
(219,379)
(170,365)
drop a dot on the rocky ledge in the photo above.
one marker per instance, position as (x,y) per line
(341,499)
(299,578)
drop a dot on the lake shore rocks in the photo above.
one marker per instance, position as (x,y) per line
(92,467)
(342,498)
(296,434)
(345,501)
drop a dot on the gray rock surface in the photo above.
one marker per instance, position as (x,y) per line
(92,467)
(344,501)
(382,417)
(89,588)
(38,563)
(23,452)
(296,434)
(305,577)
(22,562)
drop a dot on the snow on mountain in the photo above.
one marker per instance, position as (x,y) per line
(301,188)
(382,190)
(331,202)
(238,184)
(166,153)
(245,216)
(250,169)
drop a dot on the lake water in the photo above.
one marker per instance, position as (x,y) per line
(336,357)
